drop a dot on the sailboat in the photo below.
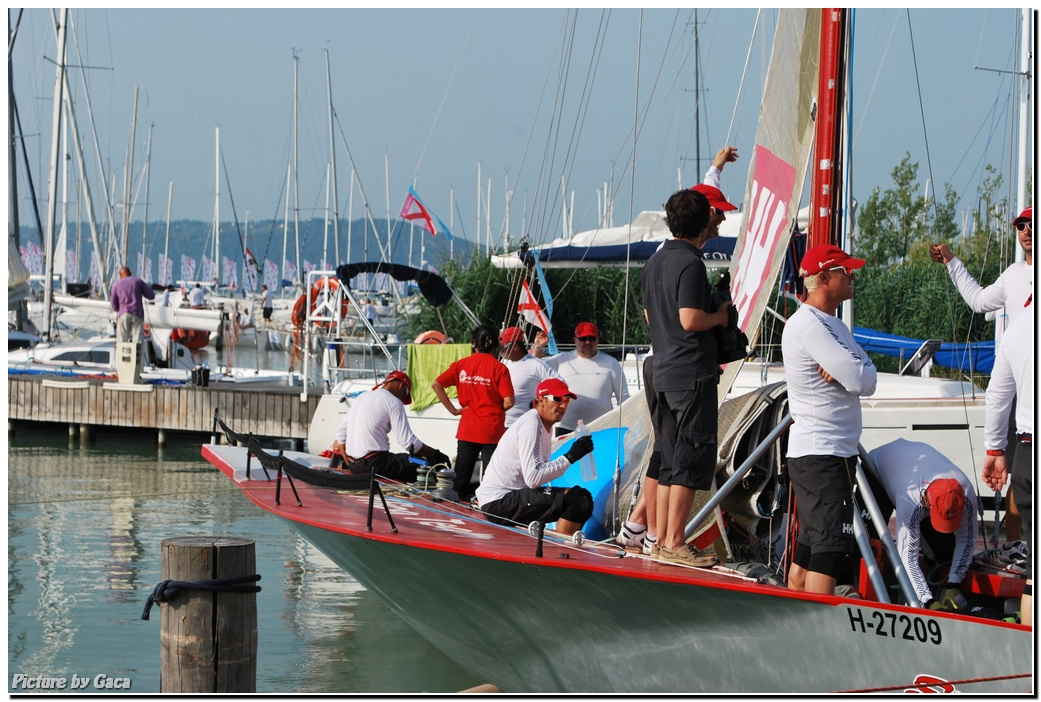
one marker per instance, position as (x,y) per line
(530,610)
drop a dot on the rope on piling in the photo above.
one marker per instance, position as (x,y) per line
(169,589)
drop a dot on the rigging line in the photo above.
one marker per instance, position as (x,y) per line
(361,188)
(744,74)
(921,109)
(444,97)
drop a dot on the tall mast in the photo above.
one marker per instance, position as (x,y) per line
(166,280)
(52,185)
(825,193)
(128,181)
(216,209)
(148,181)
(1024,147)
(296,164)
(332,159)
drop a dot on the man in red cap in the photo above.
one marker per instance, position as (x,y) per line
(827,374)
(1003,300)
(526,371)
(513,491)
(919,482)
(595,376)
(1009,294)
(1013,378)
(709,187)
(362,439)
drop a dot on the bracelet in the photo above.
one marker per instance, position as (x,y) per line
(995,452)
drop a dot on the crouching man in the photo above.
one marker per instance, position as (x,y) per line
(512,491)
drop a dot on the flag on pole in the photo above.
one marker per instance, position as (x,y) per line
(187,268)
(95,272)
(250,258)
(290,272)
(231,275)
(165,270)
(250,275)
(415,209)
(271,275)
(72,267)
(530,309)
(308,266)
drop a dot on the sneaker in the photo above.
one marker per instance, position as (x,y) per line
(628,538)
(655,551)
(650,546)
(1013,552)
(688,556)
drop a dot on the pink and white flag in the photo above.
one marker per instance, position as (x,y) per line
(72,267)
(271,275)
(231,274)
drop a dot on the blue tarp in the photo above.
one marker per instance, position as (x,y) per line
(977,357)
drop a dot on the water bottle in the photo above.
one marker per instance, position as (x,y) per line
(587,462)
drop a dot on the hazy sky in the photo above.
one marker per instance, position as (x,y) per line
(434,93)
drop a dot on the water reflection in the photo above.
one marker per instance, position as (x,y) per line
(85,526)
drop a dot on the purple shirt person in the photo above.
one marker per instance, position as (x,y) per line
(126,301)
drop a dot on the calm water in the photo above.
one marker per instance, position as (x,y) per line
(85,526)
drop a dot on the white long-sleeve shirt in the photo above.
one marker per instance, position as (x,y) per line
(1010,293)
(521,460)
(369,421)
(525,373)
(595,380)
(905,469)
(827,415)
(1012,376)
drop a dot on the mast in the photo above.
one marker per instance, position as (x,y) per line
(1024,150)
(128,181)
(332,158)
(166,247)
(148,181)
(296,163)
(52,185)
(325,231)
(825,191)
(285,231)
(216,209)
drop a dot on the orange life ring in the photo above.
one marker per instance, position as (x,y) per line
(192,338)
(324,287)
(430,337)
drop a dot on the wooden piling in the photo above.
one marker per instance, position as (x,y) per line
(208,640)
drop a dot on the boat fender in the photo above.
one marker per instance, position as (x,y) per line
(430,337)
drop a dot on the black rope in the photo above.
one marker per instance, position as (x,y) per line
(169,589)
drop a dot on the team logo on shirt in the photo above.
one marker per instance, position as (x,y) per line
(468,379)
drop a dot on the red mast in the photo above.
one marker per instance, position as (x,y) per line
(825,192)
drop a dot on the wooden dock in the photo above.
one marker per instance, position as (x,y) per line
(267,411)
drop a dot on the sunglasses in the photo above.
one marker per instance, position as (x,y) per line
(719,212)
(842,269)
(1024,225)
(587,339)
(559,399)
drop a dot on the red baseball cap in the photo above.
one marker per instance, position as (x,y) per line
(554,386)
(510,335)
(715,197)
(823,256)
(1026,215)
(946,502)
(586,329)
(403,377)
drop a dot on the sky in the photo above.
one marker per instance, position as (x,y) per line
(528,98)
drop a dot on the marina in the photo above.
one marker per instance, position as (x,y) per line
(85,523)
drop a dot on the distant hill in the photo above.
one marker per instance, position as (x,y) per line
(265,240)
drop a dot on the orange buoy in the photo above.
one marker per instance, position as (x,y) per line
(430,337)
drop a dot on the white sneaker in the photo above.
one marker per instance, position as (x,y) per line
(631,539)
(648,545)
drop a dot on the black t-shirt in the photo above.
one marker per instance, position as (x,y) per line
(676,277)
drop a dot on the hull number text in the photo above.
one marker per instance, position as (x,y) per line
(906,627)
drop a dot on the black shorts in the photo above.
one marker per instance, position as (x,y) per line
(521,507)
(267,312)
(823,487)
(688,422)
(393,466)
